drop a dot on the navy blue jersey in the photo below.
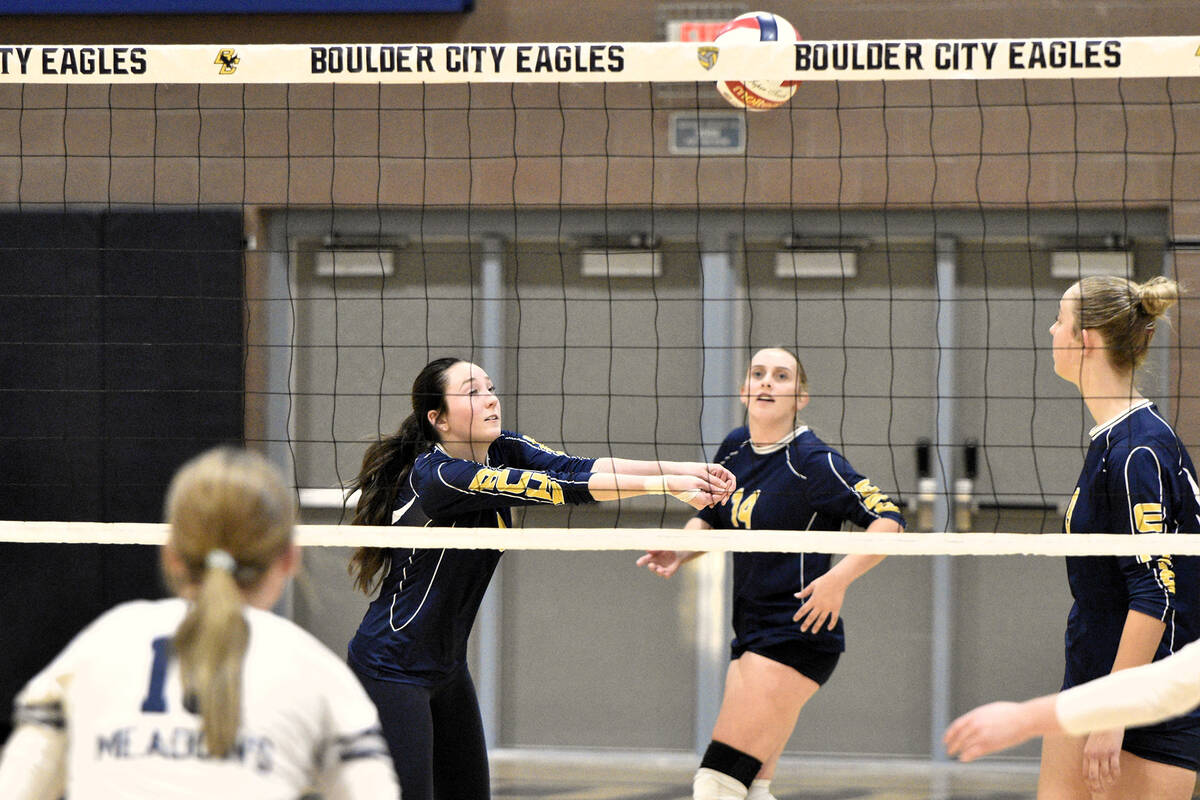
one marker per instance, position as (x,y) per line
(1137,478)
(804,485)
(416,630)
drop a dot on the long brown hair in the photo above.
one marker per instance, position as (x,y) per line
(231,518)
(386,465)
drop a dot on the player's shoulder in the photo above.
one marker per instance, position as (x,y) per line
(1140,432)
(296,650)
(737,438)
(512,440)
(426,465)
(136,616)
(806,446)
(126,628)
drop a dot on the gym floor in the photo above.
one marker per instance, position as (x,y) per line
(520,775)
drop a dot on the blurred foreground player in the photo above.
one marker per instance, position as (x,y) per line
(207,694)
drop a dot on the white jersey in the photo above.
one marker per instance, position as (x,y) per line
(115,691)
(1150,693)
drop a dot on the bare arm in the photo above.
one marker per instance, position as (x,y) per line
(997,726)
(696,492)
(713,473)
(666,562)
(823,597)
(1102,752)
(1131,695)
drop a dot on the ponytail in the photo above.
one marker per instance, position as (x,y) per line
(211,644)
(386,466)
(231,519)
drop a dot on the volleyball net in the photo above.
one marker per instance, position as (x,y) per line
(266,243)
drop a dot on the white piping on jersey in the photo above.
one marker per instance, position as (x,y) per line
(432,577)
(1157,471)
(850,490)
(447,483)
(788,460)
(807,527)
(1096,431)
(774,447)
(1132,527)
(398,513)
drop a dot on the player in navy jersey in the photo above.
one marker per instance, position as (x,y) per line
(788,479)
(451,464)
(1137,478)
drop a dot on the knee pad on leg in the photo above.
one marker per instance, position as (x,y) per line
(760,790)
(708,784)
(725,773)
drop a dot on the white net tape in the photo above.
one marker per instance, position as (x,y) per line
(603,62)
(912,544)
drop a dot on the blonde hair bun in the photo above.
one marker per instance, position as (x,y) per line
(1157,295)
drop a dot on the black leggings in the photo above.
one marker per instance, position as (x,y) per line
(436,737)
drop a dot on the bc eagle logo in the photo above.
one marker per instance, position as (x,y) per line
(228,59)
(707,56)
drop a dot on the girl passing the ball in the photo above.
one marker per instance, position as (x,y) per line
(788,634)
(1137,477)
(451,464)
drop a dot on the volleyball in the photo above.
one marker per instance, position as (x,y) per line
(756,26)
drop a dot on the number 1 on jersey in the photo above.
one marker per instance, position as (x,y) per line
(156,696)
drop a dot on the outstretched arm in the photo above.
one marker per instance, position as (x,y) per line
(1126,698)
(713,473)
(997,726)
(666,562)
(698,492)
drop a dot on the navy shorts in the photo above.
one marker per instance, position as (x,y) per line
(1173,741)
(1166,743)
(817,665)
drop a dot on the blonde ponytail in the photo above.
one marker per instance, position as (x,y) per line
(211,645)
(231,519)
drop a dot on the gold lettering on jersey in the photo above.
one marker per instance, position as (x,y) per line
(485,480)
(1148,518)
(516,487)
(533,485)
(1166,573)
(542,488)
(873,499)
(741,510)
(1070,509)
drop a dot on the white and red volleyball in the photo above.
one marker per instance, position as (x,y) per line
(756,26)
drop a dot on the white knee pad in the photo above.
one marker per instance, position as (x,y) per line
(760,790)
(712,785)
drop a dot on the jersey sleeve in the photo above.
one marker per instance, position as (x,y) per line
(1138,499)
(709,514)
(525,451)
(455,486)
(1132,697)
(34,764)
(833,487)
(354,762)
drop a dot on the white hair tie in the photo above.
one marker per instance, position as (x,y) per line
(219,559)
